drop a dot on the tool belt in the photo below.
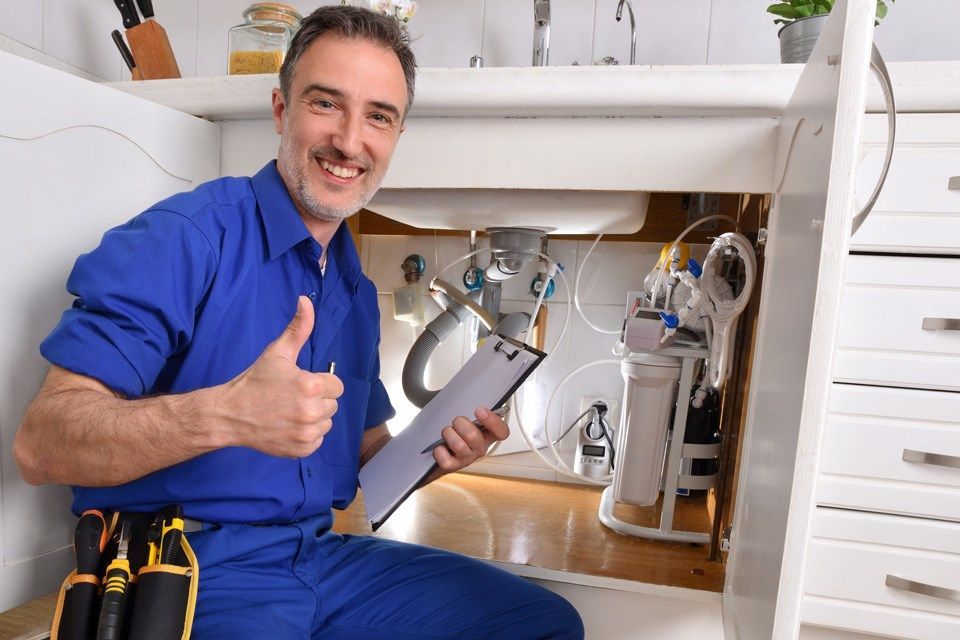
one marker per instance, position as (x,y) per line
(158,600)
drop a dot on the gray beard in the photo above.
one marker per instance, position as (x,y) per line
(310,203)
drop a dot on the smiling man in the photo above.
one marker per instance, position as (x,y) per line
(179,377)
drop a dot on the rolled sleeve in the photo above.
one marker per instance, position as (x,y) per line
(138,295)
(379,409)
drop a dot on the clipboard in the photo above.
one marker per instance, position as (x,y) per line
(488,379)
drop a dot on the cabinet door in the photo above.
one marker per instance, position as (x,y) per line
(809,236)
(76,158)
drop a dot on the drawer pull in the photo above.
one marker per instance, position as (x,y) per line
(942,593)
(941,324)
(954,184)
(925,457)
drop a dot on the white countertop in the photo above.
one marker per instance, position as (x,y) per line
(591,91)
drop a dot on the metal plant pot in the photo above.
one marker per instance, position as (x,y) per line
(798,38)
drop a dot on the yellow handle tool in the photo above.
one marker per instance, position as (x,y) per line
(115,590)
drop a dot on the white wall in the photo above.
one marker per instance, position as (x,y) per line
(613,269)
(77,32)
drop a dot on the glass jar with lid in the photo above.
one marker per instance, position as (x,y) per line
(260,43)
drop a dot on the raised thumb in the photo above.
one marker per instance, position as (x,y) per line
(296,333)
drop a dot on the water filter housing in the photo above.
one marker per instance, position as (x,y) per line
(649,395)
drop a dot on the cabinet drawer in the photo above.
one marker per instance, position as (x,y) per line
(887,302)
(856,565)
(917,211)
(870,430)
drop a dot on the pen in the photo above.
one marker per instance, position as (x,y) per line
(332,367)
(500,412)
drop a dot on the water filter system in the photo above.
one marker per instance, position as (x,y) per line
(674,350)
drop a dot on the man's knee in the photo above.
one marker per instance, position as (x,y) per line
(563,619)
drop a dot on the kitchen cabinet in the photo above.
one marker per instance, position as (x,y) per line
(883,554)
(81,157)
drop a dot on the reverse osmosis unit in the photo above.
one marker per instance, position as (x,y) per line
(675,349)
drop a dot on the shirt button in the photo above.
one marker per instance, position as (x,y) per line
(313,295)
(309,472)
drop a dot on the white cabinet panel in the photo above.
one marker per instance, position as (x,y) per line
(882,339)
(67,175)
(819,144)
(917,211)
(868,430)
(853,555)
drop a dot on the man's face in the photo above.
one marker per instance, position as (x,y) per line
(340,126)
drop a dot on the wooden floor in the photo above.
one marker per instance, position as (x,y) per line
(547,525)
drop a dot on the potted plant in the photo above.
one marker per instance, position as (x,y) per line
(802,21)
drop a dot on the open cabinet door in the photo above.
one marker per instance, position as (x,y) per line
(809,236)
(76,158)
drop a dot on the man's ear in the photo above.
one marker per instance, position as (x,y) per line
(278,108)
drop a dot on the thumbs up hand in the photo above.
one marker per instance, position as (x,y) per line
(276,407)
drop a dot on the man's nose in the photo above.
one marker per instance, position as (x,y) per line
(347,136)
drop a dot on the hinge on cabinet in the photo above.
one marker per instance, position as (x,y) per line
(725,539)
(761,237)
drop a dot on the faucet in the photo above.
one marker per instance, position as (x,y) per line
(633,29)
(541,32)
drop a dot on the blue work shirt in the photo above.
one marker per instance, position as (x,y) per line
(187,295)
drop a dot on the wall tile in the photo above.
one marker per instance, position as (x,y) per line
(920,30)
(508,32)
(742,33)
(667,32)
(214,18)
(79,33)
(179,19)
(23,22)
(613,269)
(447,32)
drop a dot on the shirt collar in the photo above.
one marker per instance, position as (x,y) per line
(285,229)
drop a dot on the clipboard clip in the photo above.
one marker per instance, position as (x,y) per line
(510,356)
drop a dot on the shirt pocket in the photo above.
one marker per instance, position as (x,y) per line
(341,445)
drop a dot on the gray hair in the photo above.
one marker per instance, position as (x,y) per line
(351,22)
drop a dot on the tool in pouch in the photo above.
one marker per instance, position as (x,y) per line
(115,590)
(150,580)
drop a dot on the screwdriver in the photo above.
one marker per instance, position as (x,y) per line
(171,533)
(115,590)
(89,541)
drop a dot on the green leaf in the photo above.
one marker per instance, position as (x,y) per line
(881,11)
(784,10)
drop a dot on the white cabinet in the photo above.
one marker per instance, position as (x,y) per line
(884,553)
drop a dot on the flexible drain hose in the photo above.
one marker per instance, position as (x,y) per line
(433,334)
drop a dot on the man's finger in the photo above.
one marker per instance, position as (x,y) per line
(470,433)
(456,443)
(295,335)
(493,424)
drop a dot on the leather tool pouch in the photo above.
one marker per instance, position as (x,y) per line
(160,598)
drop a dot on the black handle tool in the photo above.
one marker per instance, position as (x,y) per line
(124,50)
(115,590)
(128,12)
(146,8)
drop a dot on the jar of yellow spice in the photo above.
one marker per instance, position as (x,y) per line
(260,43)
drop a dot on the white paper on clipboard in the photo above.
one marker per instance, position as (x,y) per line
(487,379)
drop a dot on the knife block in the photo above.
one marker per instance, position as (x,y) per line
(152,52)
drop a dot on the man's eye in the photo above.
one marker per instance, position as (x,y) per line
(323,104)
(382,119)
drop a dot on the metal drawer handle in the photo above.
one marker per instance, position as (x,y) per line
(941,324)
(954,184)
(942,593)
(937,459)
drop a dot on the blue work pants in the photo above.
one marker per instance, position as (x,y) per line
(303,581)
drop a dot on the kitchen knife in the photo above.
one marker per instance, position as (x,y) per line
(146,8)
(124,51)
(129,13)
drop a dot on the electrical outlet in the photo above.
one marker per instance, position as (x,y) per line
(613,408)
